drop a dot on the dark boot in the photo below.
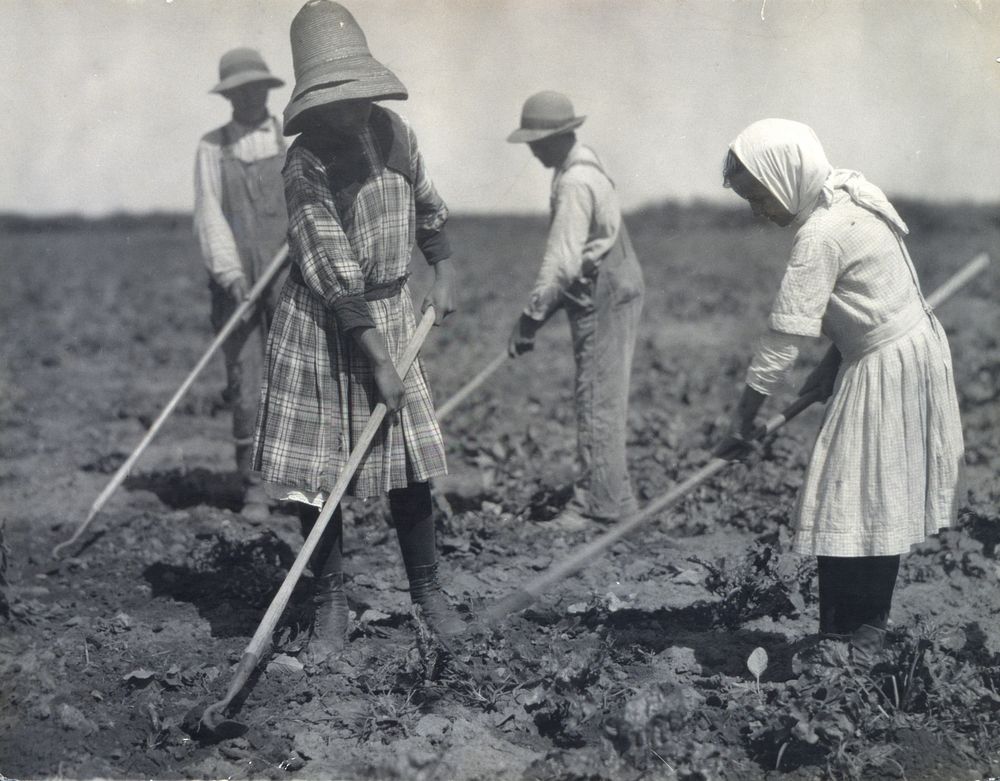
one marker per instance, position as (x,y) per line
(244,459)
(866,641)
(412,515)
(256,505)
(329,633)
(329,600)
(425,591)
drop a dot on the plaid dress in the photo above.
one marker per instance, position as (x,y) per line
(885,471)
(354,213)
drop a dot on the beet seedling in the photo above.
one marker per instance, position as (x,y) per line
(757,664)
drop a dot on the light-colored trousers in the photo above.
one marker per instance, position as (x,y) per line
(604,323)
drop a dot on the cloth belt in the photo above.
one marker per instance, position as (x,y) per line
(898,325)
(373,291)
(382,290)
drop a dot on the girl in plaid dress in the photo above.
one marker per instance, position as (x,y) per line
(358,197)
(886,467)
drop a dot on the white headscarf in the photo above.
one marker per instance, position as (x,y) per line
(788,159)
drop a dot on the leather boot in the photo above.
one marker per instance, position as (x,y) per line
(329,600)
(413,516)
(244,459)
(425,591)
(256,505)
(329,632)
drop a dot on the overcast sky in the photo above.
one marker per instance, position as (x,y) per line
(103,101)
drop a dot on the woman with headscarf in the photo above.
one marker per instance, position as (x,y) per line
(886,467)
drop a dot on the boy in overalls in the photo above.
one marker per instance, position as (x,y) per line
(590,268)
(240,221)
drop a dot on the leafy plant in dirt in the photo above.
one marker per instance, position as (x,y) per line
(503,462)
(951,551)
(846,711)
(757,495)
(391,709)
(486,690)
(764,582)
(396,691)
(984,528)
(656,731)
(583,764)
(566,707)
(489,672)
(562,689)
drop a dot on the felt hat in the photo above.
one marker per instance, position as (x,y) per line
(243,66)
(545,114)
(333,63)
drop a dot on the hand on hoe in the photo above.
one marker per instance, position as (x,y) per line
(441,296)
(239,292)
(822,379)
(743,429)
(522,337)
(387,379)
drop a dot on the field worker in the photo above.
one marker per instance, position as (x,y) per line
(240,221)
(358,196)
(590,269)
(886,467)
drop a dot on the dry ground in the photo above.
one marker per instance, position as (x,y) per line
(636,668)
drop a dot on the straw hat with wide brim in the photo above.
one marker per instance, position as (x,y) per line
(333,63)
(243,66)
(545,114)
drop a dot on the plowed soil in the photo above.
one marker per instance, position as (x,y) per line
(637,667)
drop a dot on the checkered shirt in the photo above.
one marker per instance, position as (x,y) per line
(320,389)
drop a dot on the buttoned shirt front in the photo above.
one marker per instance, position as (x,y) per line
(585,220)
(248,143)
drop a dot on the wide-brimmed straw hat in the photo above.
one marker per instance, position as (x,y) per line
(545,114)
(243,66)
(333,63)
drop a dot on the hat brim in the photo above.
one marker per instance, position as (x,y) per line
(247,77)
(374,85)
(527,135)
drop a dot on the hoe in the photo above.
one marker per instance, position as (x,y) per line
(528,593)
(235,319)
(213,724)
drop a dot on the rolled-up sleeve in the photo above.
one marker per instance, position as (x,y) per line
(215,237)
(806,286)
(773,358)
(431,210)
(562,263)
(319,245)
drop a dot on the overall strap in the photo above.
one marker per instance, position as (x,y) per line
(226,148)
(279,136)
(592,164)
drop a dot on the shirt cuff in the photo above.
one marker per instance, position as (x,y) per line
(765,385)
(775,354)
(352,312)
(796,325)
(434,245)
(227,277)
(541,308)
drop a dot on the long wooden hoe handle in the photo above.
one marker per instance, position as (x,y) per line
(251,300)
(463,393)
(262,637)
(527,593)
(959,279)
